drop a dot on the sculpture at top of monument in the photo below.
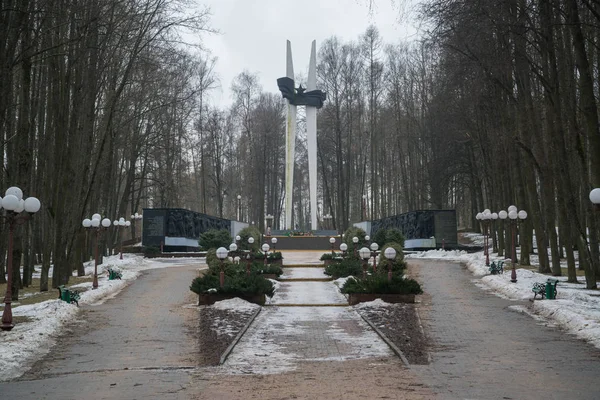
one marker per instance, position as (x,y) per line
(312,99)
(298,96)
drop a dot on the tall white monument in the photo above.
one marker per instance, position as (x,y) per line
(312,99)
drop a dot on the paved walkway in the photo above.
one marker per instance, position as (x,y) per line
(487,350)
(141,345)
(136,346)
(307,321)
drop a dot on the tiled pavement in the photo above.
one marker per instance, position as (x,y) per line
(318,331)
(487,350)
(134,346)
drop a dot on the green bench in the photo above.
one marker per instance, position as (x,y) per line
(68,295)
(497,268)
(114,274)
(545,290)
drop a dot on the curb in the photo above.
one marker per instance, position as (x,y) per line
(394,348)
(237,338)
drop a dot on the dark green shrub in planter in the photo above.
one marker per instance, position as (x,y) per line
(345,268)
(214,264)
(394,235)
(272,256)
(150,251)
(389,235)
(245,234)
(215,238)
(242,285)
(380,284)
(330,256)
(398,264)
(352,232)
(260,268)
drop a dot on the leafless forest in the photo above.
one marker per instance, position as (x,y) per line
(105,108)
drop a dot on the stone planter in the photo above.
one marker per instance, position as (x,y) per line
(207,299)
(355,298)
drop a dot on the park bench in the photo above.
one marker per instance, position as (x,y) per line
(497,268)
(545,289)
(68,295)
(114,274)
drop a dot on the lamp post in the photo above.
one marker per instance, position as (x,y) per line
(355,241)
(595,198)
(17,212)
(233,251)
(332,241)
(374,247)
(343,248)
(120,224)
(493,230)
(390,254)
(365,254)
(367,239)
(222,255)
(239,206)
(250,256)
(265,249)
(135,217)
(97,225)
(274,242)
(515,217)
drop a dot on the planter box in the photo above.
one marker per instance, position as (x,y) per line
(279,261)
(355,298)
(207,299)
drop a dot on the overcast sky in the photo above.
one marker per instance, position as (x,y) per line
(253,34)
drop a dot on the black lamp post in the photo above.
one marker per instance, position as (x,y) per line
(97,225)
(222,255)
(365,254)
(390,255)
(514,217)
(332,241)
(274,242)
(18,211)
(121,224)
(374,248)
(250,256)
(343,249)
(355,242)
(265,249)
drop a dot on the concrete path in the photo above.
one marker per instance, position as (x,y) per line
(138,345)
(307,321)
(485,349)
